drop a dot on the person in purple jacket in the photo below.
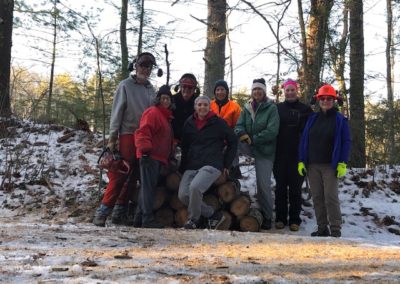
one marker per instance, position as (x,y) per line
(323,155)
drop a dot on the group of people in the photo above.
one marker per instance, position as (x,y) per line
(287,139)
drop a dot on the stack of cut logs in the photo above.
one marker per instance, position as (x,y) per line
(223,195)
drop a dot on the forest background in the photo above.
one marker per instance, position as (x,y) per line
(68,56)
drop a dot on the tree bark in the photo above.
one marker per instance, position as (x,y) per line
(214,54)
(313,50)
(6,25)
(389,81)
(357,108)
(122,35)
(337,52)
(53,61)
(140,40)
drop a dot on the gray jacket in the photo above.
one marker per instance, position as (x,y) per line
(130,100)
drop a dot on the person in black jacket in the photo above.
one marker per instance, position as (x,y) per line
(184,103)
(204,159)
(293,116)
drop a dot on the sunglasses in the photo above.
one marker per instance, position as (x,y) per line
(146,65)
(329,99)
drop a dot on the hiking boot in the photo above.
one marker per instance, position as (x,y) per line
(266,224)
(336,233)
(101,215)
(216,220)
(99,220)
(321,232)
(294,227)
(137,221)
(190,225)
(119,216)
(152,225)
(279,225)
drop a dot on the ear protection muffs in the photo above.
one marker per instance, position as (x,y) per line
(131,65)
(191,76)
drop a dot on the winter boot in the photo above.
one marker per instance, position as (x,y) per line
(279,225)
(321,232)
(294,227)
(119,215)
(190,225)
(216,220)
(266,224)
(101,215)
(336,233)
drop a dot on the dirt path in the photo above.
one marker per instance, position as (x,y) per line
(43,253)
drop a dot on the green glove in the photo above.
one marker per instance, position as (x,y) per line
(301,168)
(341,170)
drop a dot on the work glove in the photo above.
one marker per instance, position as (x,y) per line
(145,160)
(245,138)
(112,141)
(301,168)
(341,170)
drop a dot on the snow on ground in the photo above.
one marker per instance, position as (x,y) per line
(49,191)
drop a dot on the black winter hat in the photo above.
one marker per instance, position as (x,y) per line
(164,90)
(221,83)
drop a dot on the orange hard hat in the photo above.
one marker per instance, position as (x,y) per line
(326,90)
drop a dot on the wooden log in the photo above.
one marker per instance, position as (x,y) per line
(172,181)
(220,180)
(252,221)
(160,197)
(212,200)
(181,217)
(175,203)
(228,191)
(240,206)
(165,216)
(227,224)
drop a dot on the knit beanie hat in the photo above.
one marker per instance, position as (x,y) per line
(221,83)
(164,90)
(289,82)
(259,83)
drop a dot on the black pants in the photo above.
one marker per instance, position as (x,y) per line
(288,191)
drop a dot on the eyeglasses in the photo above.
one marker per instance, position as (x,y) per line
(329,99)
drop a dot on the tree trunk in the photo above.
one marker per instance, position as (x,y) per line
(338,56)
(140,41)
(214,54)
(389,81)
(313,50)
(357,109)
(6,25)
(53,61)
(122,35)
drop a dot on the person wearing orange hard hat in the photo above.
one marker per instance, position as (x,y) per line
(323,155)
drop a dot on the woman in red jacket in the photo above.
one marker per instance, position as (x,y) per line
(153,140)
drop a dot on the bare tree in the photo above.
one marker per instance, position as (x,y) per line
(122,36)
(214,54)
(357,106)
(389,80)
(313,42)
(337,51)
(6,25)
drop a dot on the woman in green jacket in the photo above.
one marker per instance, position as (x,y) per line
(257,128)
